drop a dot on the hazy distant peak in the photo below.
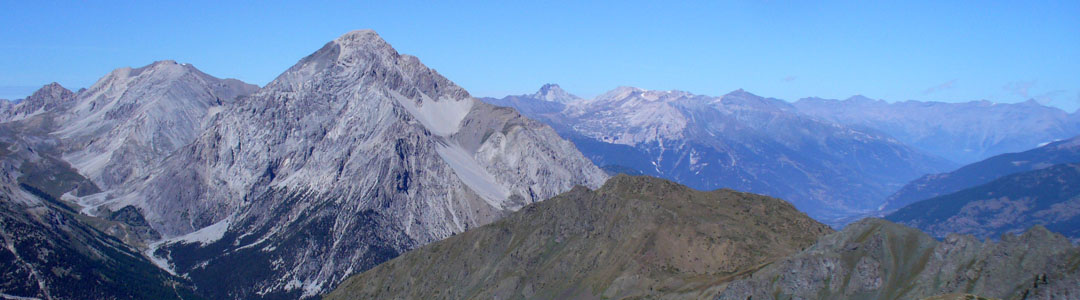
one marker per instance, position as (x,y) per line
(552,92)
(620,92)
(861,99)
(1031,101)
(741,93)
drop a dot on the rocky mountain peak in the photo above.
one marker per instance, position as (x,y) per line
(364,58)
(48,98)
(49,95)
(119,127)
(52,90)
(552,92)
(741,99)
(363,43)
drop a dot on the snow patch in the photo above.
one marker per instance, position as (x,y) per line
(442,117)
(312,289)
(90,203)
(206,235)
(13,297)
(162,263)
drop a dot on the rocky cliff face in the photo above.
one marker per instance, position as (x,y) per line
(350,157)
(129,120)
(636,237)
(877,259)
(118,129)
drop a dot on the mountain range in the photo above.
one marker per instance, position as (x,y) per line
(740,141)
(963,132)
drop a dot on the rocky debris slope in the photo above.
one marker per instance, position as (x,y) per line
(985,171)
(878,259)
(350,157)
(128,121)
(1049,197)
(636,237)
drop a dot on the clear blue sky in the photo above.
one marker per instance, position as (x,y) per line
(955,51)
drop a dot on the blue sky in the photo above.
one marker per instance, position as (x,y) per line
(954,51)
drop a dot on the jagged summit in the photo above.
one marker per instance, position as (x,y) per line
(552,92)
(50,94)
(364,41)
(360,34)
(364,56)
(53,88)
(50,97)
